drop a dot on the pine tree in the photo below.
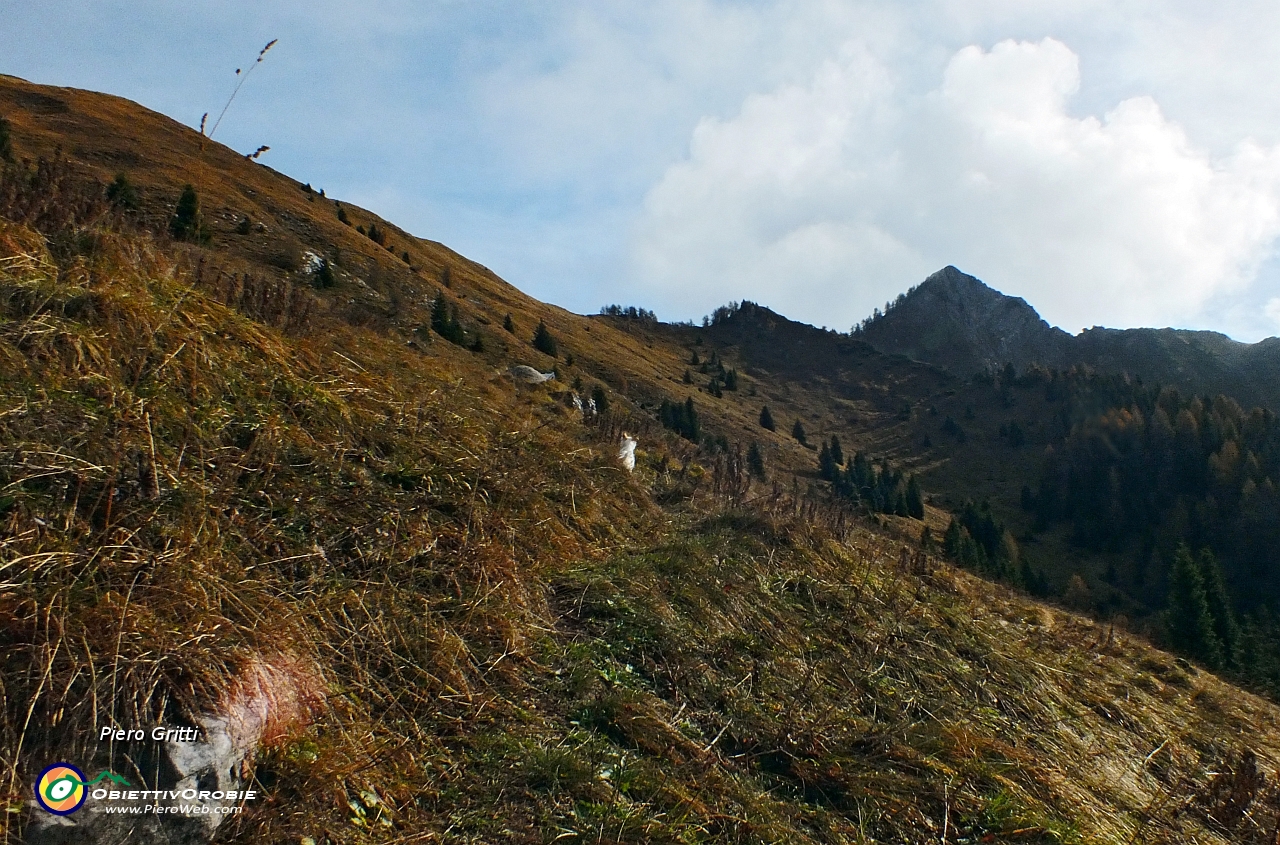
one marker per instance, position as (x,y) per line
(915,501)
(6,145)
(837,454)
(324,277)
(1259,654)
(898,503)
(797,431)
(121,192)
(694,428)
(509,324)
(755,462)
(731,380)
(543,341)
(439,312)
(1187,618)
(444,320)
(766,418)
(826,466)
(927,543)
(1215,593)
(951,540)
(186,224)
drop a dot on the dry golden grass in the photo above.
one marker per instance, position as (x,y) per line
(496,633)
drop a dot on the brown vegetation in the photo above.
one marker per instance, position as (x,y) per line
(475,626)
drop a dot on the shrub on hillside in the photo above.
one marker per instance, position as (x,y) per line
(122,193)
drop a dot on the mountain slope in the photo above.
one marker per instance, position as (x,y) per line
(500,635)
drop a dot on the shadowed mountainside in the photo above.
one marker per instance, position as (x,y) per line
(955,321)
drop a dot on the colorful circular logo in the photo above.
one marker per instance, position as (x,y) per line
(60,789)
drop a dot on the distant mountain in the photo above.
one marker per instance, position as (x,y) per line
(957,322)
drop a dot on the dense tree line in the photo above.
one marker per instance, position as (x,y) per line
(1182,491)
(1163,470)
(631,312)
(977,541)
(883,489)
(682,418)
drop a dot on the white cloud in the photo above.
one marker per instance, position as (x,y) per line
(537,137)
(826,198)
(1272,310)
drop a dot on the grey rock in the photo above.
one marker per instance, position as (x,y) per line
(528,375)
(220,761)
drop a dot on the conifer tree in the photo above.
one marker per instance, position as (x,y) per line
(121,192)
(1259,655)
(951,540)
(927,543)
(837,454)
(898,503)
(186,224)
(509,324)
(755,462)
(1187,618)
(797,431)
(766,418)
(543,341)
(444,320)
(691,421)
(731,380)
(323,276)
(915,501)
(6,145)
(826,465)
(439,312)
(1215,593)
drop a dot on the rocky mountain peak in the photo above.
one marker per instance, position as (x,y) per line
(954,320)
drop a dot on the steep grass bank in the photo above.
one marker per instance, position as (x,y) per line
(499,635)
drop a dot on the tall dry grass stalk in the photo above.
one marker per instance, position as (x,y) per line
(242,75)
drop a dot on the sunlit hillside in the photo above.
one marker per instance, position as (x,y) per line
(289,464)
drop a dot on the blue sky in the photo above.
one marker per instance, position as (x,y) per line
(1114,163)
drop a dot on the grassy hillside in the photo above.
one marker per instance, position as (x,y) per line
(485,630)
